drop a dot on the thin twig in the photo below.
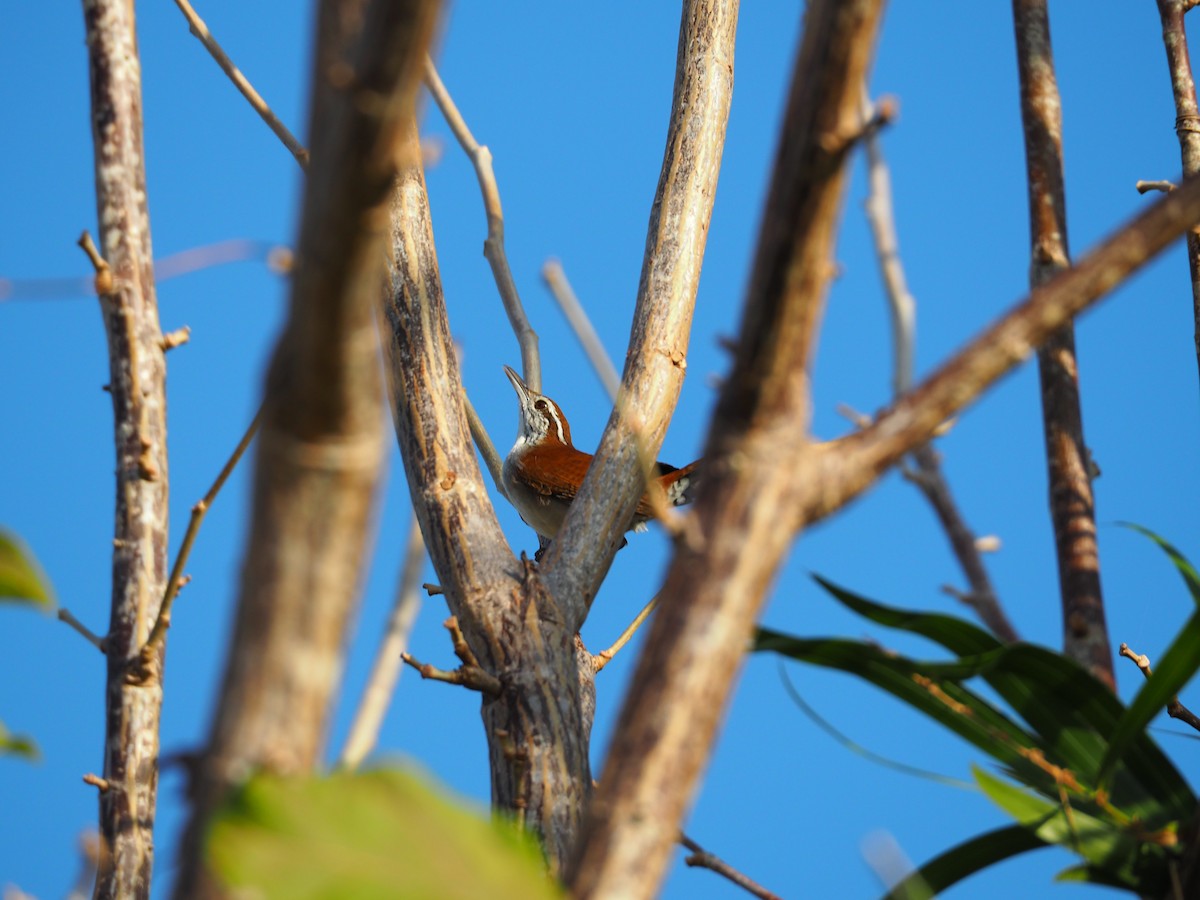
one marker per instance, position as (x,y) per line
(928,475)
(604,657)
(676,525)
(64,616)
(483,441)
(100,784)
(465,654)
(493,246)
(276,257)
(1175,709)
(1144,187)
(471,677)
(703,859)
(200,30)
(881,217)
(102,281)
(385,671)
(199,511)
(568,302)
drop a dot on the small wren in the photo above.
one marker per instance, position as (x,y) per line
(543,471)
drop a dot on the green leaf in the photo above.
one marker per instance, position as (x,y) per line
(959,637)
(21,578)
(18,745)
(1071,713)
(1109,847)
(964,860)
(379,834)
(945,701)
(1186,570)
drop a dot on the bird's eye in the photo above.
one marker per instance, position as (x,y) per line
(540,404)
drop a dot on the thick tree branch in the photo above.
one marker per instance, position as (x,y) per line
(580,556)
(125,282)
(1072,503)
(320,446)
(757,439)
(845,468)
(1187,123)
(538,725)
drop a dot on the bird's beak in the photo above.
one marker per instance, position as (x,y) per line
(517,383)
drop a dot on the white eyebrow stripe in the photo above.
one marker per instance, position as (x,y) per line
(553,412)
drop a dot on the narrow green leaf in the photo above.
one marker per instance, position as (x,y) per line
(21,578)
(380,834)
(1072,713)
(959,637)
(945,701)
(966,859)
(830,729)
(18,745)
(1186,570)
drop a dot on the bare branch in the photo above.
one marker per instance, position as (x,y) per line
(1175,709)
(604,657)
(321,443)
(981,598)
(560,289)
(656,360)
(466,676)
(64,615)
(755,455)
(493,246)
(1072,503)
(705,860)
(928,474)
(881,217)
(125,281)
(848,466)
(163,621)
(97,782)
(1187,124)
(385,671)
(1144,187)
(200,30)
(491,458)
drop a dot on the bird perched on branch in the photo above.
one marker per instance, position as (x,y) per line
(543,471)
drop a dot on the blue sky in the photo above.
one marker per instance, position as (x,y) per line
(573,104)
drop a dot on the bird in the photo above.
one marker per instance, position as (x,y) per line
(543,470)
